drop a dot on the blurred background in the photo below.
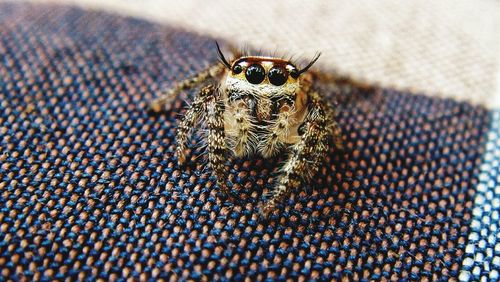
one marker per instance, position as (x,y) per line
(448,48)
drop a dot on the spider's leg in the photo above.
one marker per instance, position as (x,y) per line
(306,155)
(334,128)
(193,115)
(216,139)
(161,102)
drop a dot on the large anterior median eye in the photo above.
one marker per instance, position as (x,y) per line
(277,76)
(255,74)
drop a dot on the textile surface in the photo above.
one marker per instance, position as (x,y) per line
(447,48)
(89,186)
(483,250)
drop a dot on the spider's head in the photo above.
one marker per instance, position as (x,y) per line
(264,74)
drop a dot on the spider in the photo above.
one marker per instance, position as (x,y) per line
(258,105)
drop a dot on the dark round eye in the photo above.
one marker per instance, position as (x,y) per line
(237,69)
(294,73)
(277,76)
(255,74)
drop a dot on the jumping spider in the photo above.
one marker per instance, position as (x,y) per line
(259,105)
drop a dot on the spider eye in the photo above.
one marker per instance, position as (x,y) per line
(294,73)
(237,69)
(277,76)
(255,74)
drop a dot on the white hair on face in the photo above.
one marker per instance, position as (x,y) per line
(232,84)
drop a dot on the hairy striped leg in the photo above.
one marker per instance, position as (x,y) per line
(216,139)
(208,107)
(334,127)
(161,102)
(193,115)
(306,156)
(331,124)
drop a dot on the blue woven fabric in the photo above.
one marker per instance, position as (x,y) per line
(89,186)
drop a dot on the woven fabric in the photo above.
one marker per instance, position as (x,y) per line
(447,48)
(482,261)
(89,187)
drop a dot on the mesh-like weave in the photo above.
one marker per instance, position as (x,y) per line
(482,258)
(89,186)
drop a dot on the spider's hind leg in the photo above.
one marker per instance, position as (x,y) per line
(165,99)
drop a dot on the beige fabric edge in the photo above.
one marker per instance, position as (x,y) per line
(445,49)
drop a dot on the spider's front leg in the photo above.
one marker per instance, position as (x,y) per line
(207,106)
(216,139)
(195,112)
(308,154)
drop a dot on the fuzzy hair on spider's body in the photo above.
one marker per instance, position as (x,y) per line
(258,105)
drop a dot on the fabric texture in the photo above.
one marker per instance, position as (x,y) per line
(482,260)
(89,186)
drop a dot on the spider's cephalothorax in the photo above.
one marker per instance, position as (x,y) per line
(259,105)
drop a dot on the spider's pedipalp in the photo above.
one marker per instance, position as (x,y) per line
(279,132)
(246,142)
(240,128)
